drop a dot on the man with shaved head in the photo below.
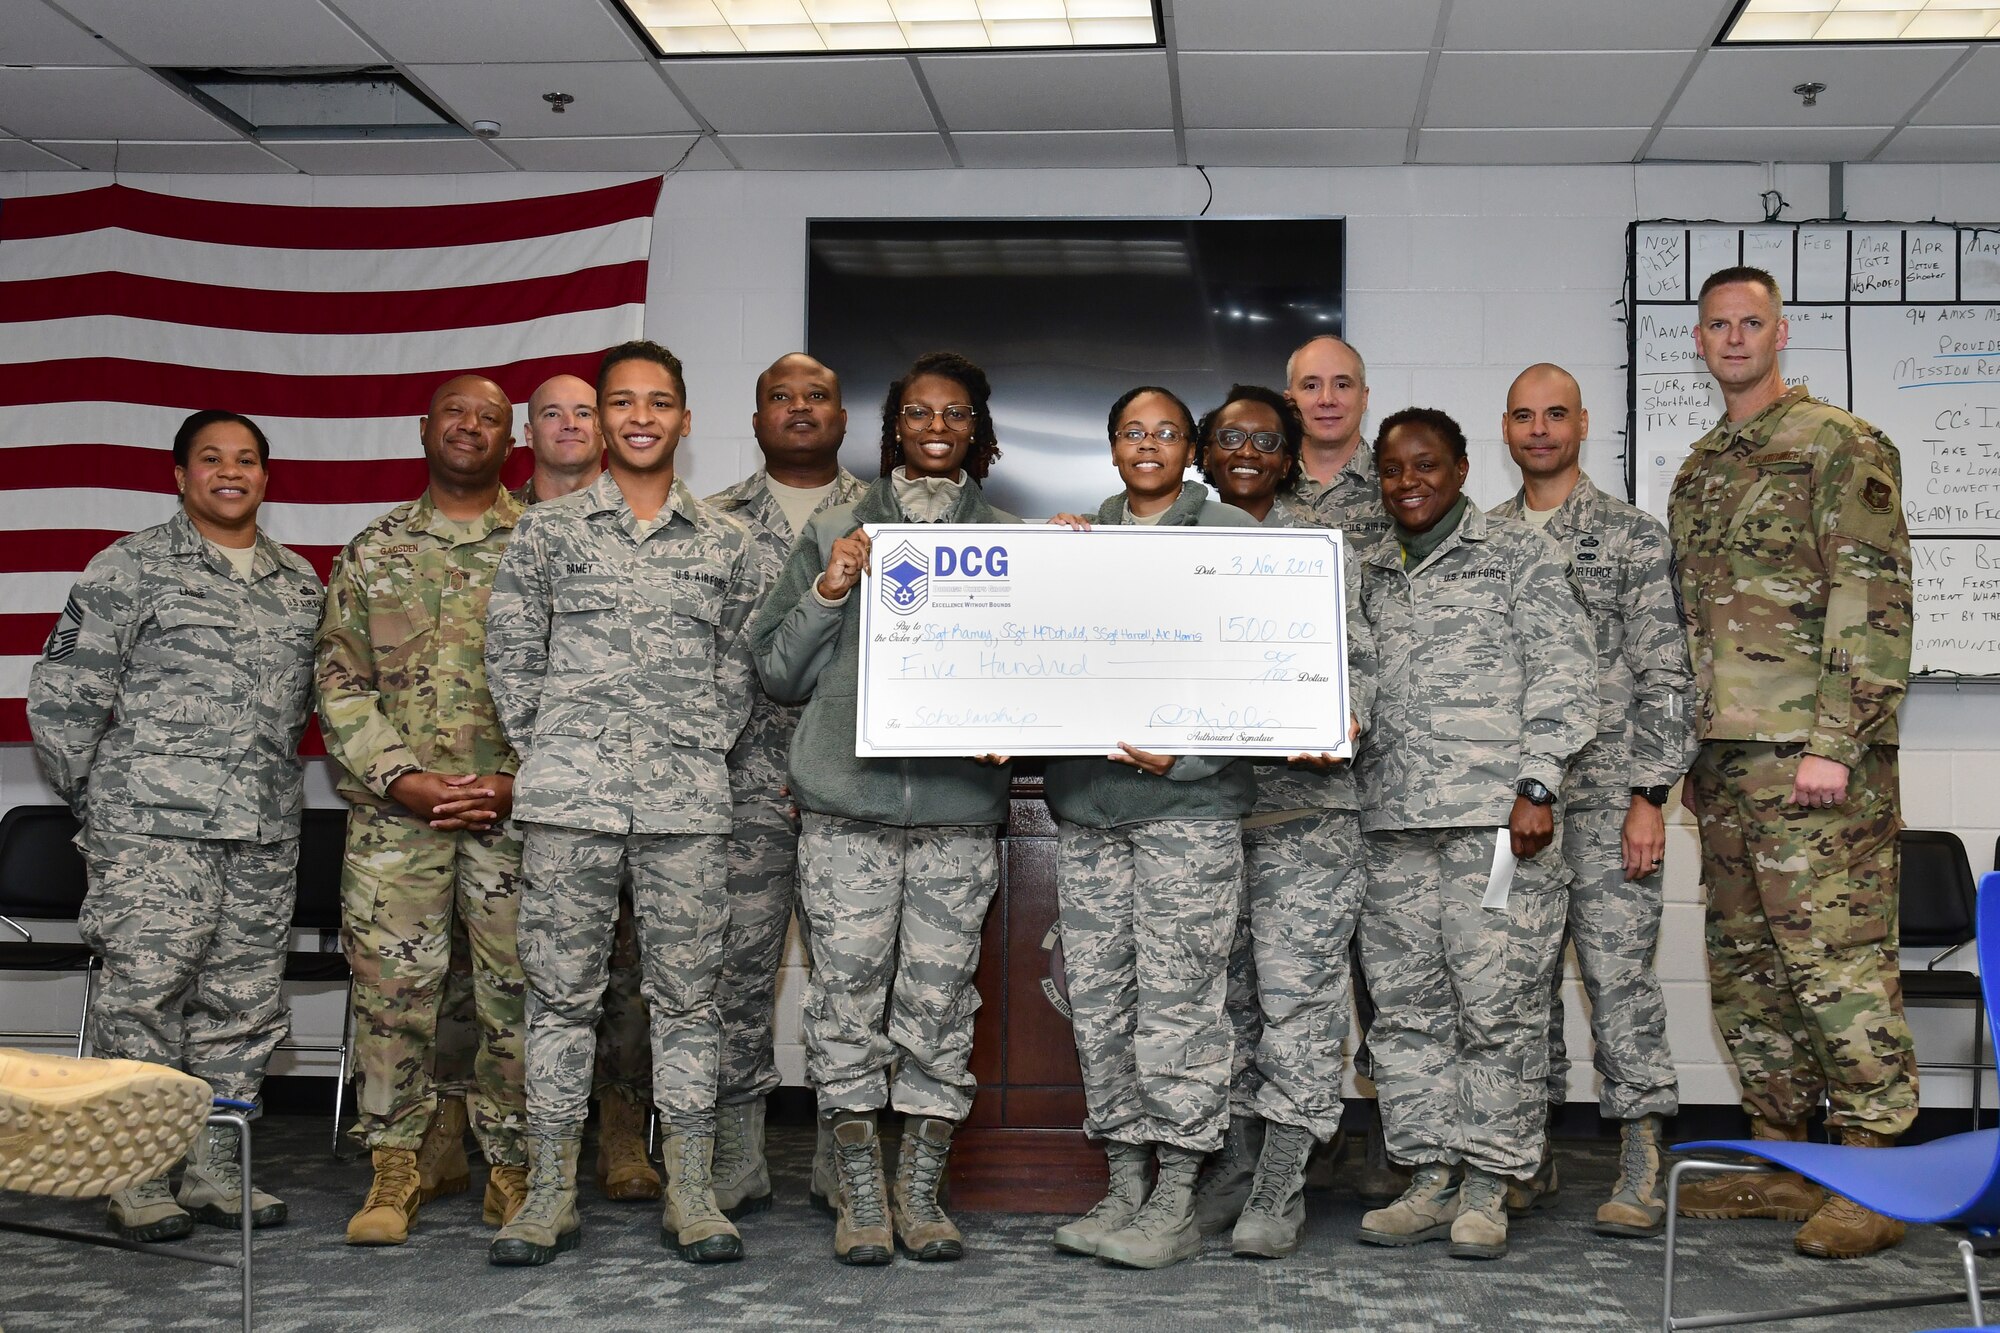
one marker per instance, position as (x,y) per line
(1614,825)
(428,774)
(799,423)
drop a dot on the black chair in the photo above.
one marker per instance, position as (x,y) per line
(1938,912)
(42,879)
(322,837)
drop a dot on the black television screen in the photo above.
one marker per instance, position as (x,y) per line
(1065,315)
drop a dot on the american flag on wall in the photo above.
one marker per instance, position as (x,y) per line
(121,311)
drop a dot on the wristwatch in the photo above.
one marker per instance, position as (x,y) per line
(1653,795)
(1536,793)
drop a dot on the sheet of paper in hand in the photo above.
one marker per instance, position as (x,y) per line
(1042,640)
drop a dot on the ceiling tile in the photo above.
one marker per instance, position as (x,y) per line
(390,157)
(1942,143)
(611,98)
(1827,143)
(1078,148)
(651,152)
(185,158)
(1972,97)
(1291,90)
(122,103)
(1297,148)
(1115,90)
(836,152)
(1502,147)
(1502,89)
(34,34)
(1566,25)
(16,155)
(857,95)
(226,32)
(476,31)
(1304,25)
(1864,85)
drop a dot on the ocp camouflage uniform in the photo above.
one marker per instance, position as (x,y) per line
(166,710)
(764,841)
(1795,583)
(621,669)
(1620,562)
(1487,678)
(1290,973)
(402,683)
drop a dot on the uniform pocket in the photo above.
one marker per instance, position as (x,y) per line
(1774,518)
(590,633)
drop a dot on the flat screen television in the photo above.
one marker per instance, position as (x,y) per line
(1065,314)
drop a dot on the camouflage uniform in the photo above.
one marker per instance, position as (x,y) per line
(166,710)
(402,685)
(620,666)
(1487,678)
(1289,971)
(1793,521)
(1620,562)
(764,843)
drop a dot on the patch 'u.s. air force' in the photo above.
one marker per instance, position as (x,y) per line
(62,641)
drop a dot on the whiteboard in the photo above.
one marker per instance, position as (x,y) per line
(1898,323)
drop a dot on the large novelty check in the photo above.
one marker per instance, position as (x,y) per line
(1043,640)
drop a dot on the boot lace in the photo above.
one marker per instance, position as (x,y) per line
(732,1145)
(693,1196)
(926,1159)
(1637,1169)
(219,1159)
(545,1190)
(1481,1193)
(1282,1162)
(861,1182)
(395,1177)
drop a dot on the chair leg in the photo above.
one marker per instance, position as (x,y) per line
(1978,1045)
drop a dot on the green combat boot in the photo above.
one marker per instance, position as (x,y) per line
(1480,1229)
(742,1173)
(922,1225)
(1424,1212)
(691,1224)
(1635,1207)
(1120,1204)
(1163,1231)
(1539,1192)
(546,1225)
(861,1233)
(825,1185)
(147,1211)
(1224,1186)
(212,1186)
(1269,1225)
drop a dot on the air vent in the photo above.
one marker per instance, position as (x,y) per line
(312,102)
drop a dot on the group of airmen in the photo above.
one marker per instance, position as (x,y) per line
(597,739)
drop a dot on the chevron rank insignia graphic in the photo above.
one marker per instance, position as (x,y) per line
(905,579)
(62,643)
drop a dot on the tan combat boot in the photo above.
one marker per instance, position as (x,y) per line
(1120,1204)
(742,1174)
(506,1191)
(624,1171)
(1424,1212)
(861,1232)
(1842,1228)
(1538,1192)
(825,1183)
(1379,1181)
(1785,1196)
(83,1128)
(1636,1207)
(441,1165)
(922,1225)
(211,1188)
(391,1206)
(1480,1229)
(1163,1231)
(147,1212)
(1269,1225)
(691,1224)
(546,1223)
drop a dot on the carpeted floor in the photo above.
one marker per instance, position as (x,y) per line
(1559,1276)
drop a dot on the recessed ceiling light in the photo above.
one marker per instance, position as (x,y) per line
(797,27)
(1804,21)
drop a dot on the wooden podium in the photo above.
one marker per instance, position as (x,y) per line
(1022,1149)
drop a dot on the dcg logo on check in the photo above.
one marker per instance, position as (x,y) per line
(969,562)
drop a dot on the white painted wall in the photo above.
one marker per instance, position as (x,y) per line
(1457,277)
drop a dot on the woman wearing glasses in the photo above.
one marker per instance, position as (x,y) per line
(1150,880)
(898,859)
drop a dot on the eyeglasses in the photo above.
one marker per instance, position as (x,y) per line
(1134,434)
(957,416)
(1264,441)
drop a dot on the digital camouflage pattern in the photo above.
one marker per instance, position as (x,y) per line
(1460,1037)
(171,694)
(894,917)
(1487,676)
(1352,501)
(1614,923)
(1621,565)
(402,885)
(1795,579)
(680,902)
(1803,957)
(1147,912)
(192,935)
(620,663)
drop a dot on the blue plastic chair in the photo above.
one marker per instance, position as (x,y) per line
(1954,1179)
